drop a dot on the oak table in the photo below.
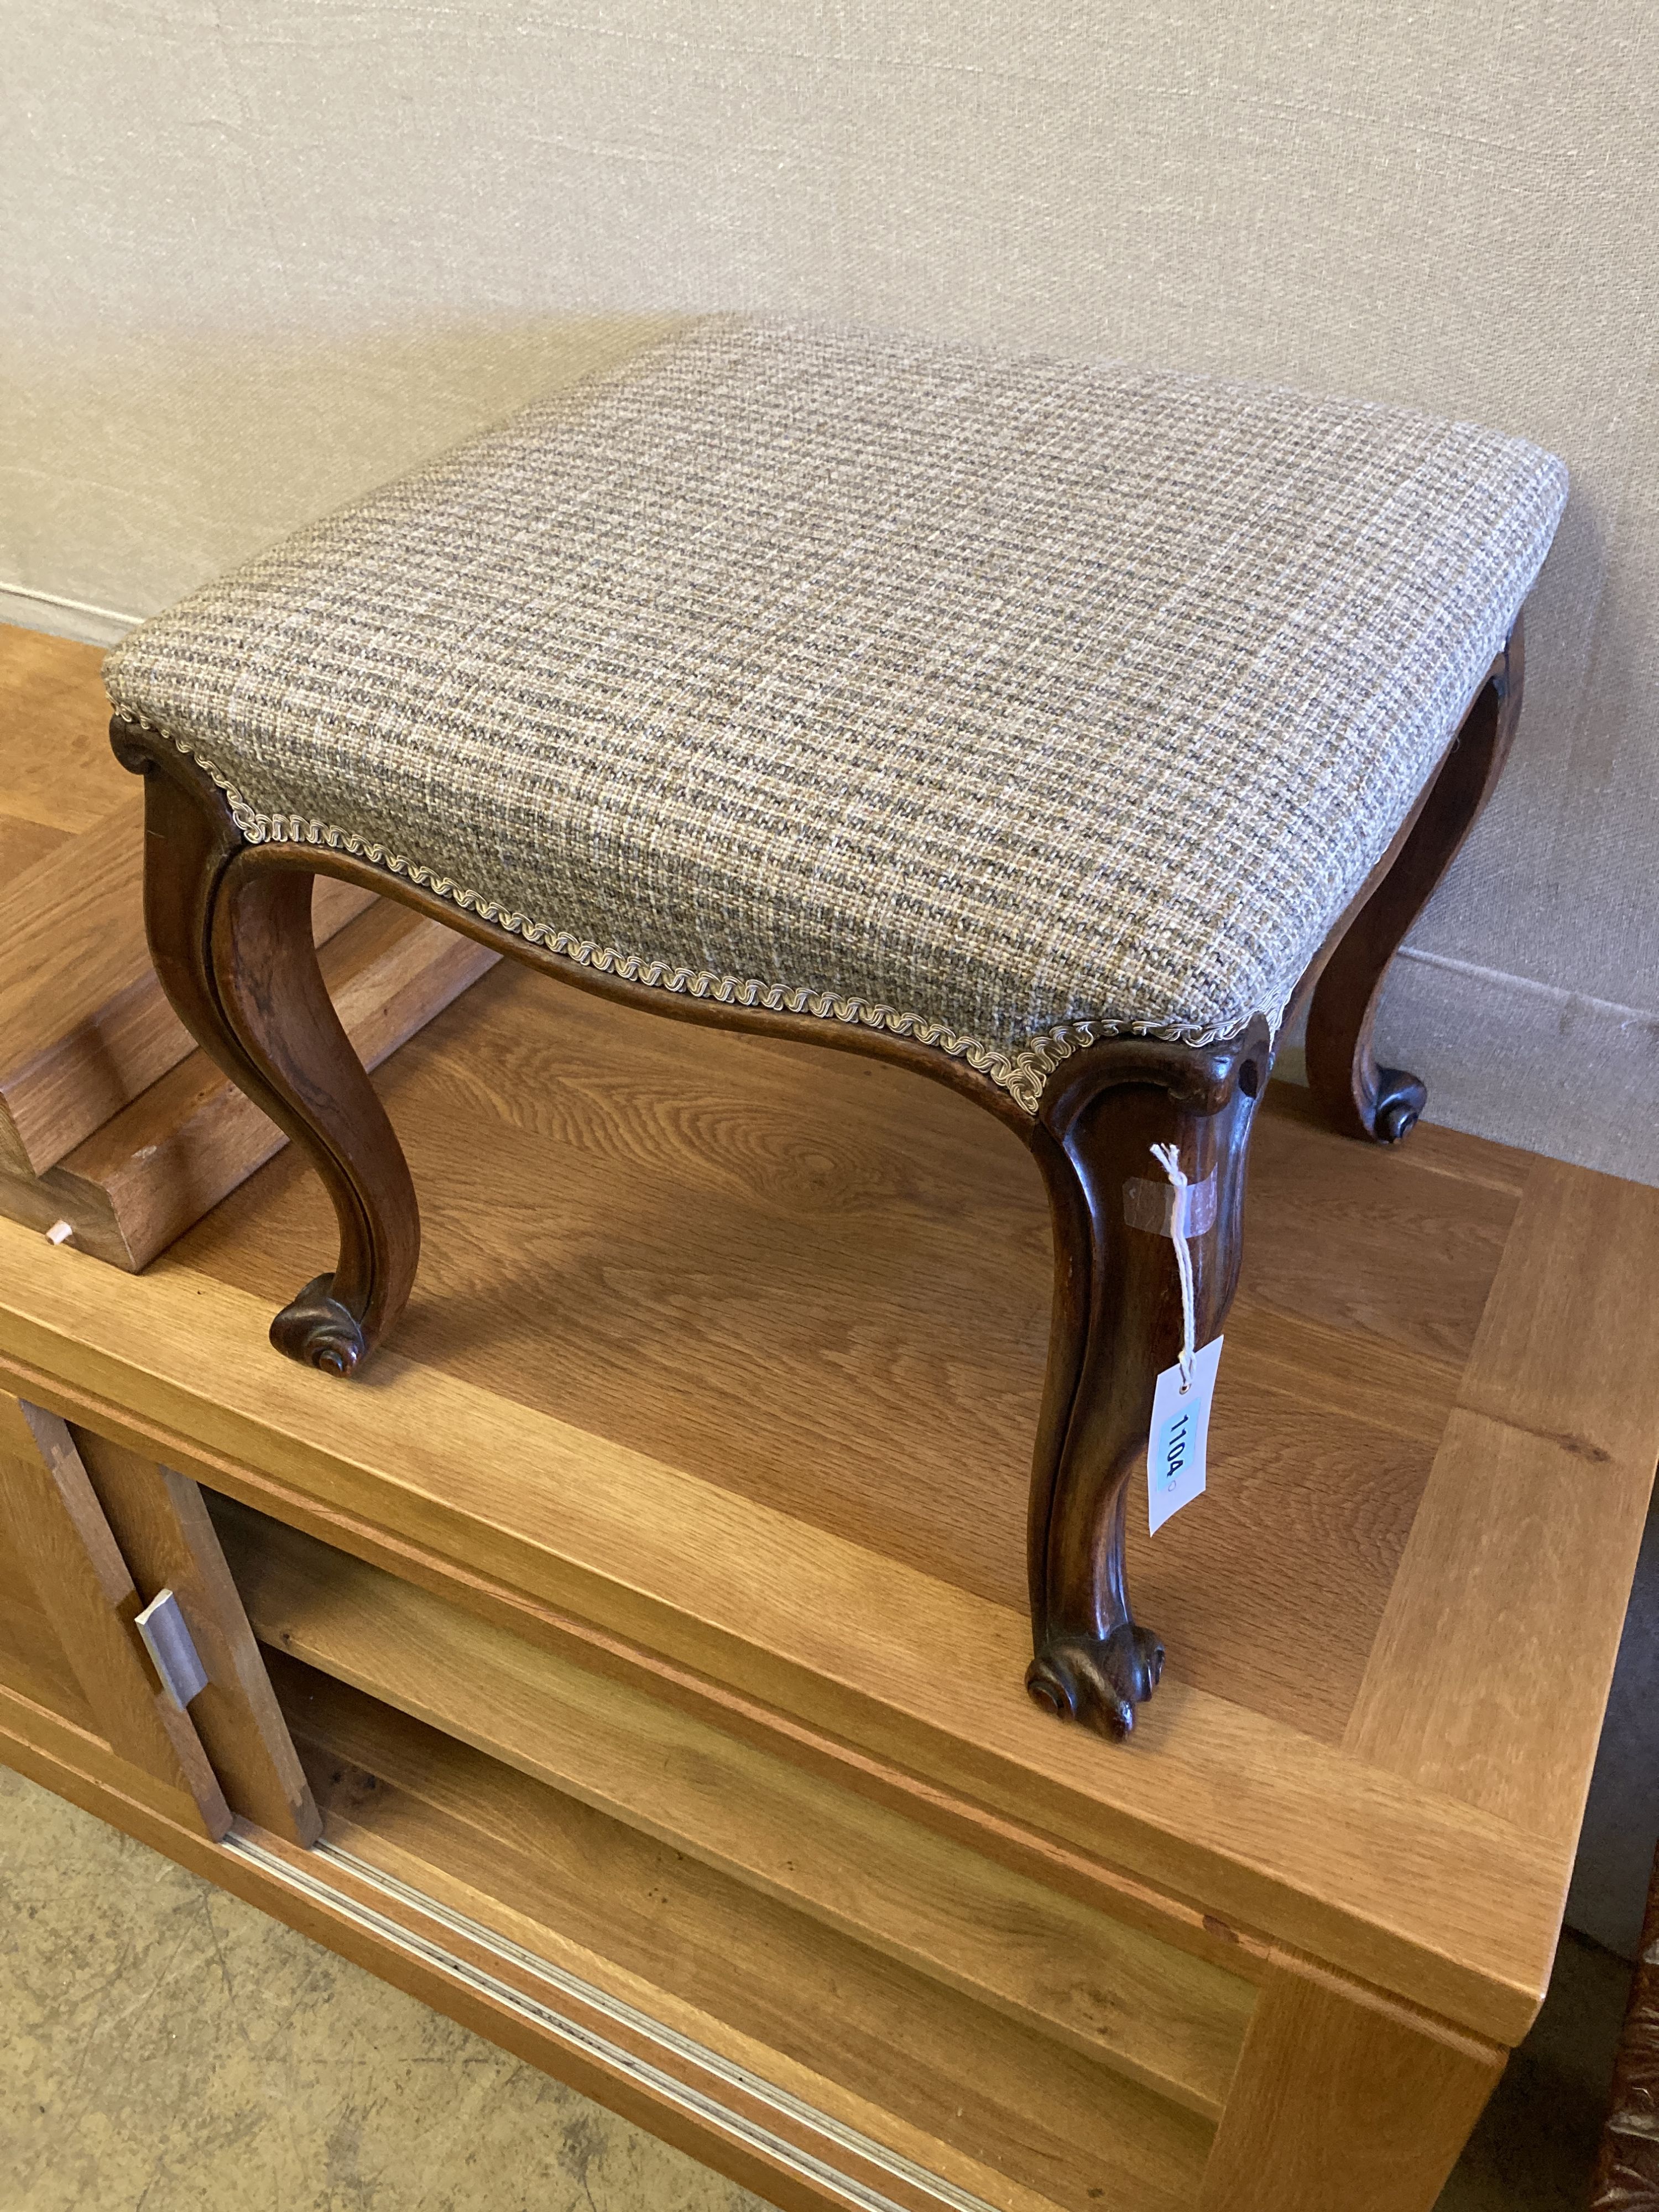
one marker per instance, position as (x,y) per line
(578,1668)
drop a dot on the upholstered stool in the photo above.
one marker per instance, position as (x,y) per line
(1051,729)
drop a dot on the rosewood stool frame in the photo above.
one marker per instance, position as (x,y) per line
(229,929)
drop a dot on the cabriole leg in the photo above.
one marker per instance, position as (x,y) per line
(1360,1098)
(230,933)
(1117,1323)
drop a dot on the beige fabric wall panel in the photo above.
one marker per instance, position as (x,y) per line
(260,255)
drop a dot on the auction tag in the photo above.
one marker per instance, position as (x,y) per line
(1180,1432)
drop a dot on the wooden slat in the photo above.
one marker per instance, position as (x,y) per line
(168,1539)
(1258,1825)
(1167,2020)
(1490,1676)
(84,1588)
(1341,2102)
(85,1027)
(73,933)
(140,1182)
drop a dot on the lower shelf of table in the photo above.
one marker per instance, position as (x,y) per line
(800,2063)
(982,2027)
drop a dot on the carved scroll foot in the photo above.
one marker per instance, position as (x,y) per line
(315,1329)
(1098,1680)
(1400,1102)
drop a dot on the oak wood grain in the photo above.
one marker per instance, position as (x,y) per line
(83,1586)
(1390,1246)
(1163,2018)
(56,770)
(987,2085)
(73,931)
(32,1652)
(31,1716)
(1342,2102)
(821,1312)
(1490,1673)
(1255,1823)
(22,843)
(30,1669)
(108,1118)
(83,1025)
(159,1520)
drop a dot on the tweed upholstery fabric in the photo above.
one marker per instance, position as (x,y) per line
(1001,703)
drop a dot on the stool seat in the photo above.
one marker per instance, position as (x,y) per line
(1006,704)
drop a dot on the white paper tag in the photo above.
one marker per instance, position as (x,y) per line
(1180,1432)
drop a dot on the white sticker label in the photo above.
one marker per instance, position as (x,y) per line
(1181,1430)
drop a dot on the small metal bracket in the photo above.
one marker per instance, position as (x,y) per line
(168,1642)
(1151,1205)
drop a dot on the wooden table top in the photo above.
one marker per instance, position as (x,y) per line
(723,1360)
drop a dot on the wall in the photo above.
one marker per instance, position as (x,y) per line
(262,253)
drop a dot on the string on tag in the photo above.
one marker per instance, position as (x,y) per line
(1169,1158)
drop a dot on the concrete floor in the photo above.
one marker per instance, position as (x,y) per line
(165,2047)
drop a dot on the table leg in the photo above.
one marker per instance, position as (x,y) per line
(1344,2099)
